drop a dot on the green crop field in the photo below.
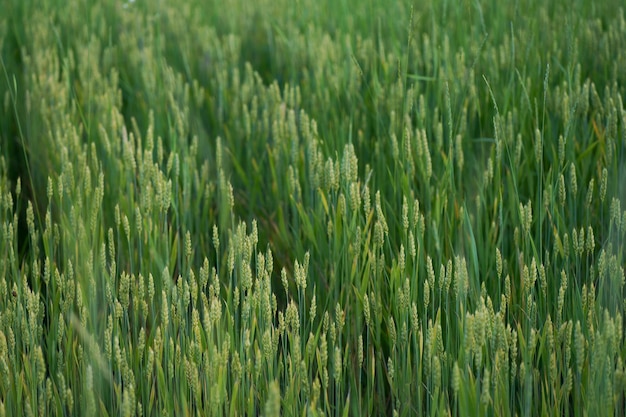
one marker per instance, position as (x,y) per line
(312,207)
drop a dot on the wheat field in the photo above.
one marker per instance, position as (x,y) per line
(312,207)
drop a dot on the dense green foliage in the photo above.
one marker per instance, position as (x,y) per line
(313,207)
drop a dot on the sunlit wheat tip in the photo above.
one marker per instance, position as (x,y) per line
(405,214)
(538,147)
(579,344)
(448,275)
(337,364)
(367,201)
(340,318)
(366,310)
(561,189)
(616,212)
(426,294)
(418,218)
(30,219)
(401,258)
(581,241)
(285,282)
(313,309)
(566,245)
(590,245)
(427,156)
(572,179)
(603,184)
